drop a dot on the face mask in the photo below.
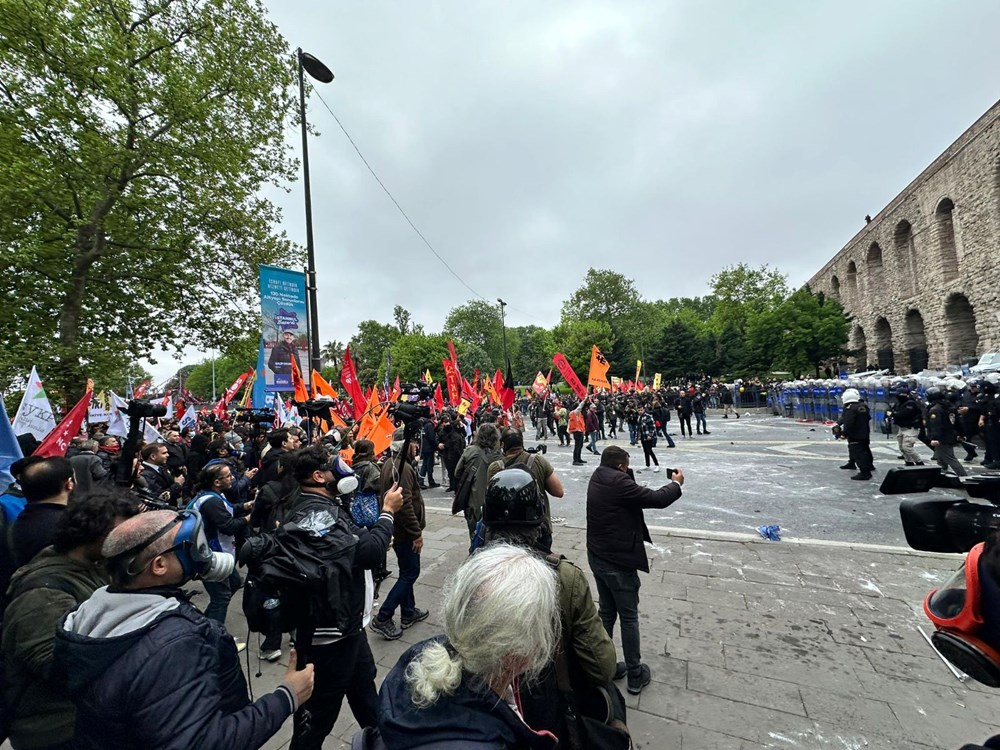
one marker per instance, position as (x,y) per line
(197,559)
(964,613)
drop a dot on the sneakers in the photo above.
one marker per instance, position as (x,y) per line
(862,475)
(656,468)
(706,432)
(419,615)
(637,682)
(271,656)
(579,463)
(240,647)
(387,628)
(620,671)
(849,467)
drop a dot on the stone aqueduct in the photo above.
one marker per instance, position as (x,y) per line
(922,279)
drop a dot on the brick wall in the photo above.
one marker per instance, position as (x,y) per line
(922,280)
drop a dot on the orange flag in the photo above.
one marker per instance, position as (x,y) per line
(301,392)
(376,425)
(321,386)
(598,370)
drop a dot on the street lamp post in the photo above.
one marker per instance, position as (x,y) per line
(503,327)
(317,70)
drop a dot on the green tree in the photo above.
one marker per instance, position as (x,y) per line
(477,322)
(535,348)
(472,357)
(227,369)
(813,329)
(679,351)
(332,353)
(136,138)
(414,353)
(369,346)
(741,290)
(575,339)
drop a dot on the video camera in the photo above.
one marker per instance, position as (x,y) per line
(255,416)
(141,409)
(540,448)
(944,524)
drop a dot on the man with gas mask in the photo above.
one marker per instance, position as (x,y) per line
(144,668)
(339,644)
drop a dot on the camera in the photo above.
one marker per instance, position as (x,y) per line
(944,524)
(415,392)
(144,409)
(540,448)
(255,416)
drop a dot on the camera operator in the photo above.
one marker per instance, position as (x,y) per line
(158,479)
(615,526)
(514,454)
(339,650)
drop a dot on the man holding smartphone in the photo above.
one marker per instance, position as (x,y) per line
(616,531)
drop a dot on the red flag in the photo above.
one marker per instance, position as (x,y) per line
(349,379)
(397,390)
(451,350)
(568,375)
(471,395)
(140,390)
(548,378)
(507,393)
(454,381)
(438,398)
(475,381)
(57,442)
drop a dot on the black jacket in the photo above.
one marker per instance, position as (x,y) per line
(908,414)
(33,530)
(429,443)
(269,466)
(147,670)
(942,424)
(469,718)
(854,421)
(159,480)
(616,528)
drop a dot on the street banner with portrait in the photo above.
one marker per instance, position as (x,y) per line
(284,326)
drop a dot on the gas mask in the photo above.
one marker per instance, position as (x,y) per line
(197,559)
(966,613)
(345,481)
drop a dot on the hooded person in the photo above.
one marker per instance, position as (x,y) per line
(144,668)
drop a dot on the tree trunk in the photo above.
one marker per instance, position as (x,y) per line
(68,378)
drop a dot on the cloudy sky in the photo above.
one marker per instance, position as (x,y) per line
(529,141)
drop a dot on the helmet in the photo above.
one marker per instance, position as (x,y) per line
(513,499)
(851,396)
(934,393)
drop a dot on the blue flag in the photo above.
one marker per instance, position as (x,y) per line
(10,451)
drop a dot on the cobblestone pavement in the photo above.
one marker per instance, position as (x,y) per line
(757,644)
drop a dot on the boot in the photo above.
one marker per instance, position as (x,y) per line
(862,475)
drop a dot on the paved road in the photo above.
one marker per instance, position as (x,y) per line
(749,472)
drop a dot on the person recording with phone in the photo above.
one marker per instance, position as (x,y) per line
(616,531)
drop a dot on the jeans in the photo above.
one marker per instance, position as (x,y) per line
(618,598)
(344,668)
(647,451)
(219,595)
(427,467)
(593,442)
(577,447)
(401,594)
(631,433)
(700,423)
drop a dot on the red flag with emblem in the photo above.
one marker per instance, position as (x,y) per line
(57,442)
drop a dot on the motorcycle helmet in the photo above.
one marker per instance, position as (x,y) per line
(513,499)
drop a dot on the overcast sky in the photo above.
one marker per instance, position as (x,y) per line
(529,141)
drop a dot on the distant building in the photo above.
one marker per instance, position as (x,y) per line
(922,278)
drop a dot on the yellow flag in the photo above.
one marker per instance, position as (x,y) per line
(656,382)
(638,368)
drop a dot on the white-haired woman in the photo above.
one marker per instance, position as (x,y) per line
(501,626)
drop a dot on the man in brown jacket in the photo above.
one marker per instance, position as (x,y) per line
(407,541)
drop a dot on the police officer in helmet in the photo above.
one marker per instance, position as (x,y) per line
(853,425)
(943,430)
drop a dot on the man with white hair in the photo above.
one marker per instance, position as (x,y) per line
(853,425)
(145,669)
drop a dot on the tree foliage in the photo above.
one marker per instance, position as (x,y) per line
(477,322)
(136,137)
